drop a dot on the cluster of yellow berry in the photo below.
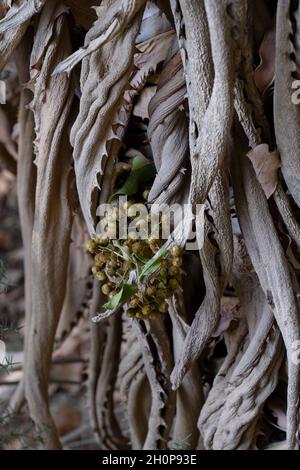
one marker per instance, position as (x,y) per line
(151,301)
(115,260)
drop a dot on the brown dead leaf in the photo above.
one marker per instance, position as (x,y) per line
(66,419)
(265,164)
(153,51)
(229,311)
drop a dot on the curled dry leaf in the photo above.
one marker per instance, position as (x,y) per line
(266,165)
(112,26)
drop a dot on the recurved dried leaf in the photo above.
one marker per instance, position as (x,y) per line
(112,26)
(153,51)
(52,219)
(266,165)
(95,135)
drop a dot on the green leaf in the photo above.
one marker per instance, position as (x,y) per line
(142,171)
(125,294)
(153,264)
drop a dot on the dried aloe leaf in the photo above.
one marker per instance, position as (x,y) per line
(52,220)
(104,77)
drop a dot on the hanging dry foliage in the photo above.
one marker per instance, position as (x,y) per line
(167,102)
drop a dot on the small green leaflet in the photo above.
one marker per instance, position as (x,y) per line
(153,264)
(125,293)
(142,171)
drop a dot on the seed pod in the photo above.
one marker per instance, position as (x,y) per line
(134,302)
(163,273)
(146,310)
(94,270)
(164,294)
(100,275)
(102,240)
(173,271)
(131,312)
(112,294)
(106,289)
(161,293)
(168,294)
(161,285)
(102,257)
(177,262)
(151,290)
(173,283)
(164,264)
(91,246)
(176,250)
(163,307)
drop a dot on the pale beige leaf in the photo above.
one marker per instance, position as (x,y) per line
(266,165)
